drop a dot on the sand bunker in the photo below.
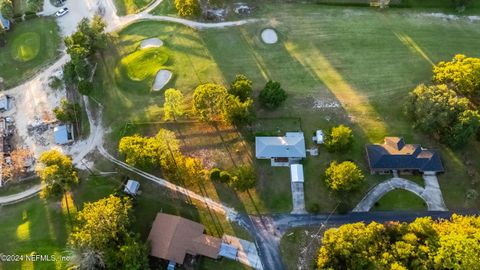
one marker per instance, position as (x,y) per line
(162,78)
(151,42)
(269,36)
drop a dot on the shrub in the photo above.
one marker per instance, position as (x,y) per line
(339,139)
(241,87)
(225,177)
(343,176)
(244,179)
(273,95)
(85,87)
(215,174)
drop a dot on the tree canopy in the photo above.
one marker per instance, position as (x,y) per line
(187,8)
(272,95)
(339,138)
(140,151)
(462,73)
(343,176)
(209,101)
(101,234)
(422,244)
(6,8)
(57,174)
(241,87)
(67,112)
(439,111)
(173,104)
(239,112)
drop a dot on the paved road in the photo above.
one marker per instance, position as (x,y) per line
(431,194)
(286,222)
(18,197)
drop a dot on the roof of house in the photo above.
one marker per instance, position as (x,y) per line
(4,102)
(292,145)
(62,134)
(394,154)
(172,237)
(132,187)
(296,172)
(4,22)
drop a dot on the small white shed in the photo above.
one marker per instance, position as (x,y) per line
(296,172)
(132,187)
(320,137)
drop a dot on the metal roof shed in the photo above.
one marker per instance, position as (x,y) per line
(4,23)
(132,187)
(63,134)
(296,172)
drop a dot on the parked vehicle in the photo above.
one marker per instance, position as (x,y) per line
(61,12)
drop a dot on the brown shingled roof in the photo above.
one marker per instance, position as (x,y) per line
(172,237)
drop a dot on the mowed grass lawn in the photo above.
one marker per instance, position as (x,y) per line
(399,200)
(364,60)
(30,45)
(125,7)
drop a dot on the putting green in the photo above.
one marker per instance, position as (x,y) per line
(25,47)
(143,64)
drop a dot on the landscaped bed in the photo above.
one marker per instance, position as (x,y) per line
(363,64)
(30,46)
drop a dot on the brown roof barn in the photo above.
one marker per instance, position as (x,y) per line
(172,237)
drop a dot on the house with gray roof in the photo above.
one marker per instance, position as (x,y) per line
(394,154)
(281,150)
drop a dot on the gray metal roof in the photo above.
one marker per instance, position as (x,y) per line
(290,146)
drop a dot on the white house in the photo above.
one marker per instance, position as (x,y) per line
(282,151)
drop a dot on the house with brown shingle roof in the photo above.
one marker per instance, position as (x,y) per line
(395,155)
(173,237)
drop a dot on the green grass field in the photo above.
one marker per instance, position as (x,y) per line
(364,60)
(137,70)
(399,200)
(125,7)
(31,45)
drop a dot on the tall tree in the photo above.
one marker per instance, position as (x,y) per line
(57,174)
(241,87)
(237,112)
(272,95)
(209,101)
(102,230)
(463,73)
(343,176)
(340,138)
(173,104)
(422,244)
(140,151)
(439,111)
(187,8)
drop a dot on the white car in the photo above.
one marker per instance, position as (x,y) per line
(61,12)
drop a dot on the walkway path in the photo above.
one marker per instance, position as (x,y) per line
(431,194)
(15,198)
